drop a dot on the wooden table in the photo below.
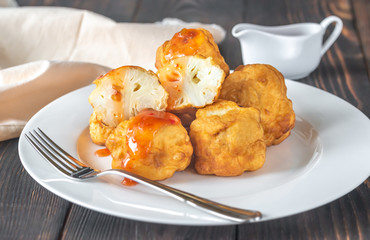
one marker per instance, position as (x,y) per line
(28,211)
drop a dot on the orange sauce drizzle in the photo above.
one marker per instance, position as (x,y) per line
(173,83)
(185,43)
(116,96)
(139,135)
(104,152)
(142,129)
(128,182)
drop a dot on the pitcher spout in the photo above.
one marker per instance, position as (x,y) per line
(244,30)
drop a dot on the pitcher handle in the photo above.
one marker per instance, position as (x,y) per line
(334,35)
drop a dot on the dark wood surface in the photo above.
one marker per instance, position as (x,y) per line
(28,211)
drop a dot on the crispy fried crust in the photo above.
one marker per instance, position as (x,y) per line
(263,87)
(190,42)
(99,132)
(227,139)
(169,151)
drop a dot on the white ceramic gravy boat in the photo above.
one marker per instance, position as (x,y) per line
(295,50)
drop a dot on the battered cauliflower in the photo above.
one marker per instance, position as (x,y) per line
(263,87)
(190,42)
(121,94)
(152,144)
(191,69)
(227,139)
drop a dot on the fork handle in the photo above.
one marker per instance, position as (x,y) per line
(230,213)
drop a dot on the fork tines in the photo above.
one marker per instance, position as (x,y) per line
(54,154)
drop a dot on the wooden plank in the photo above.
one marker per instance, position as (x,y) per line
(86,224)
(361,9)
(27,210)
(346,218)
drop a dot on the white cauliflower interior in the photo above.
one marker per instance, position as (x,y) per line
(191,81)
(143,90)
(125,91)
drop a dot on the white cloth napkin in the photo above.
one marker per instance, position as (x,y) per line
(46,52)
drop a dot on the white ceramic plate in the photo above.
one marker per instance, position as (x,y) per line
(326,156)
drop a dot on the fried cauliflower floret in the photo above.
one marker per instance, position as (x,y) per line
(121,94)
(191,81)
(152,144)
(263,87)
(191,69)
(190,42)
(99,132)
(227,139)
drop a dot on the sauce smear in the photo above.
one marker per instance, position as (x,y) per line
(104,152)
(128,182)
(185,43)
(172,81)
(142,129)
(139,137)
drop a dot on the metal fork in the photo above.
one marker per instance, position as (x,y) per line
(75,169)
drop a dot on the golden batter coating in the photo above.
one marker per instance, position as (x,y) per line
(190,42)
(227,139)
(263,87)
(99,132)
(152,144)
